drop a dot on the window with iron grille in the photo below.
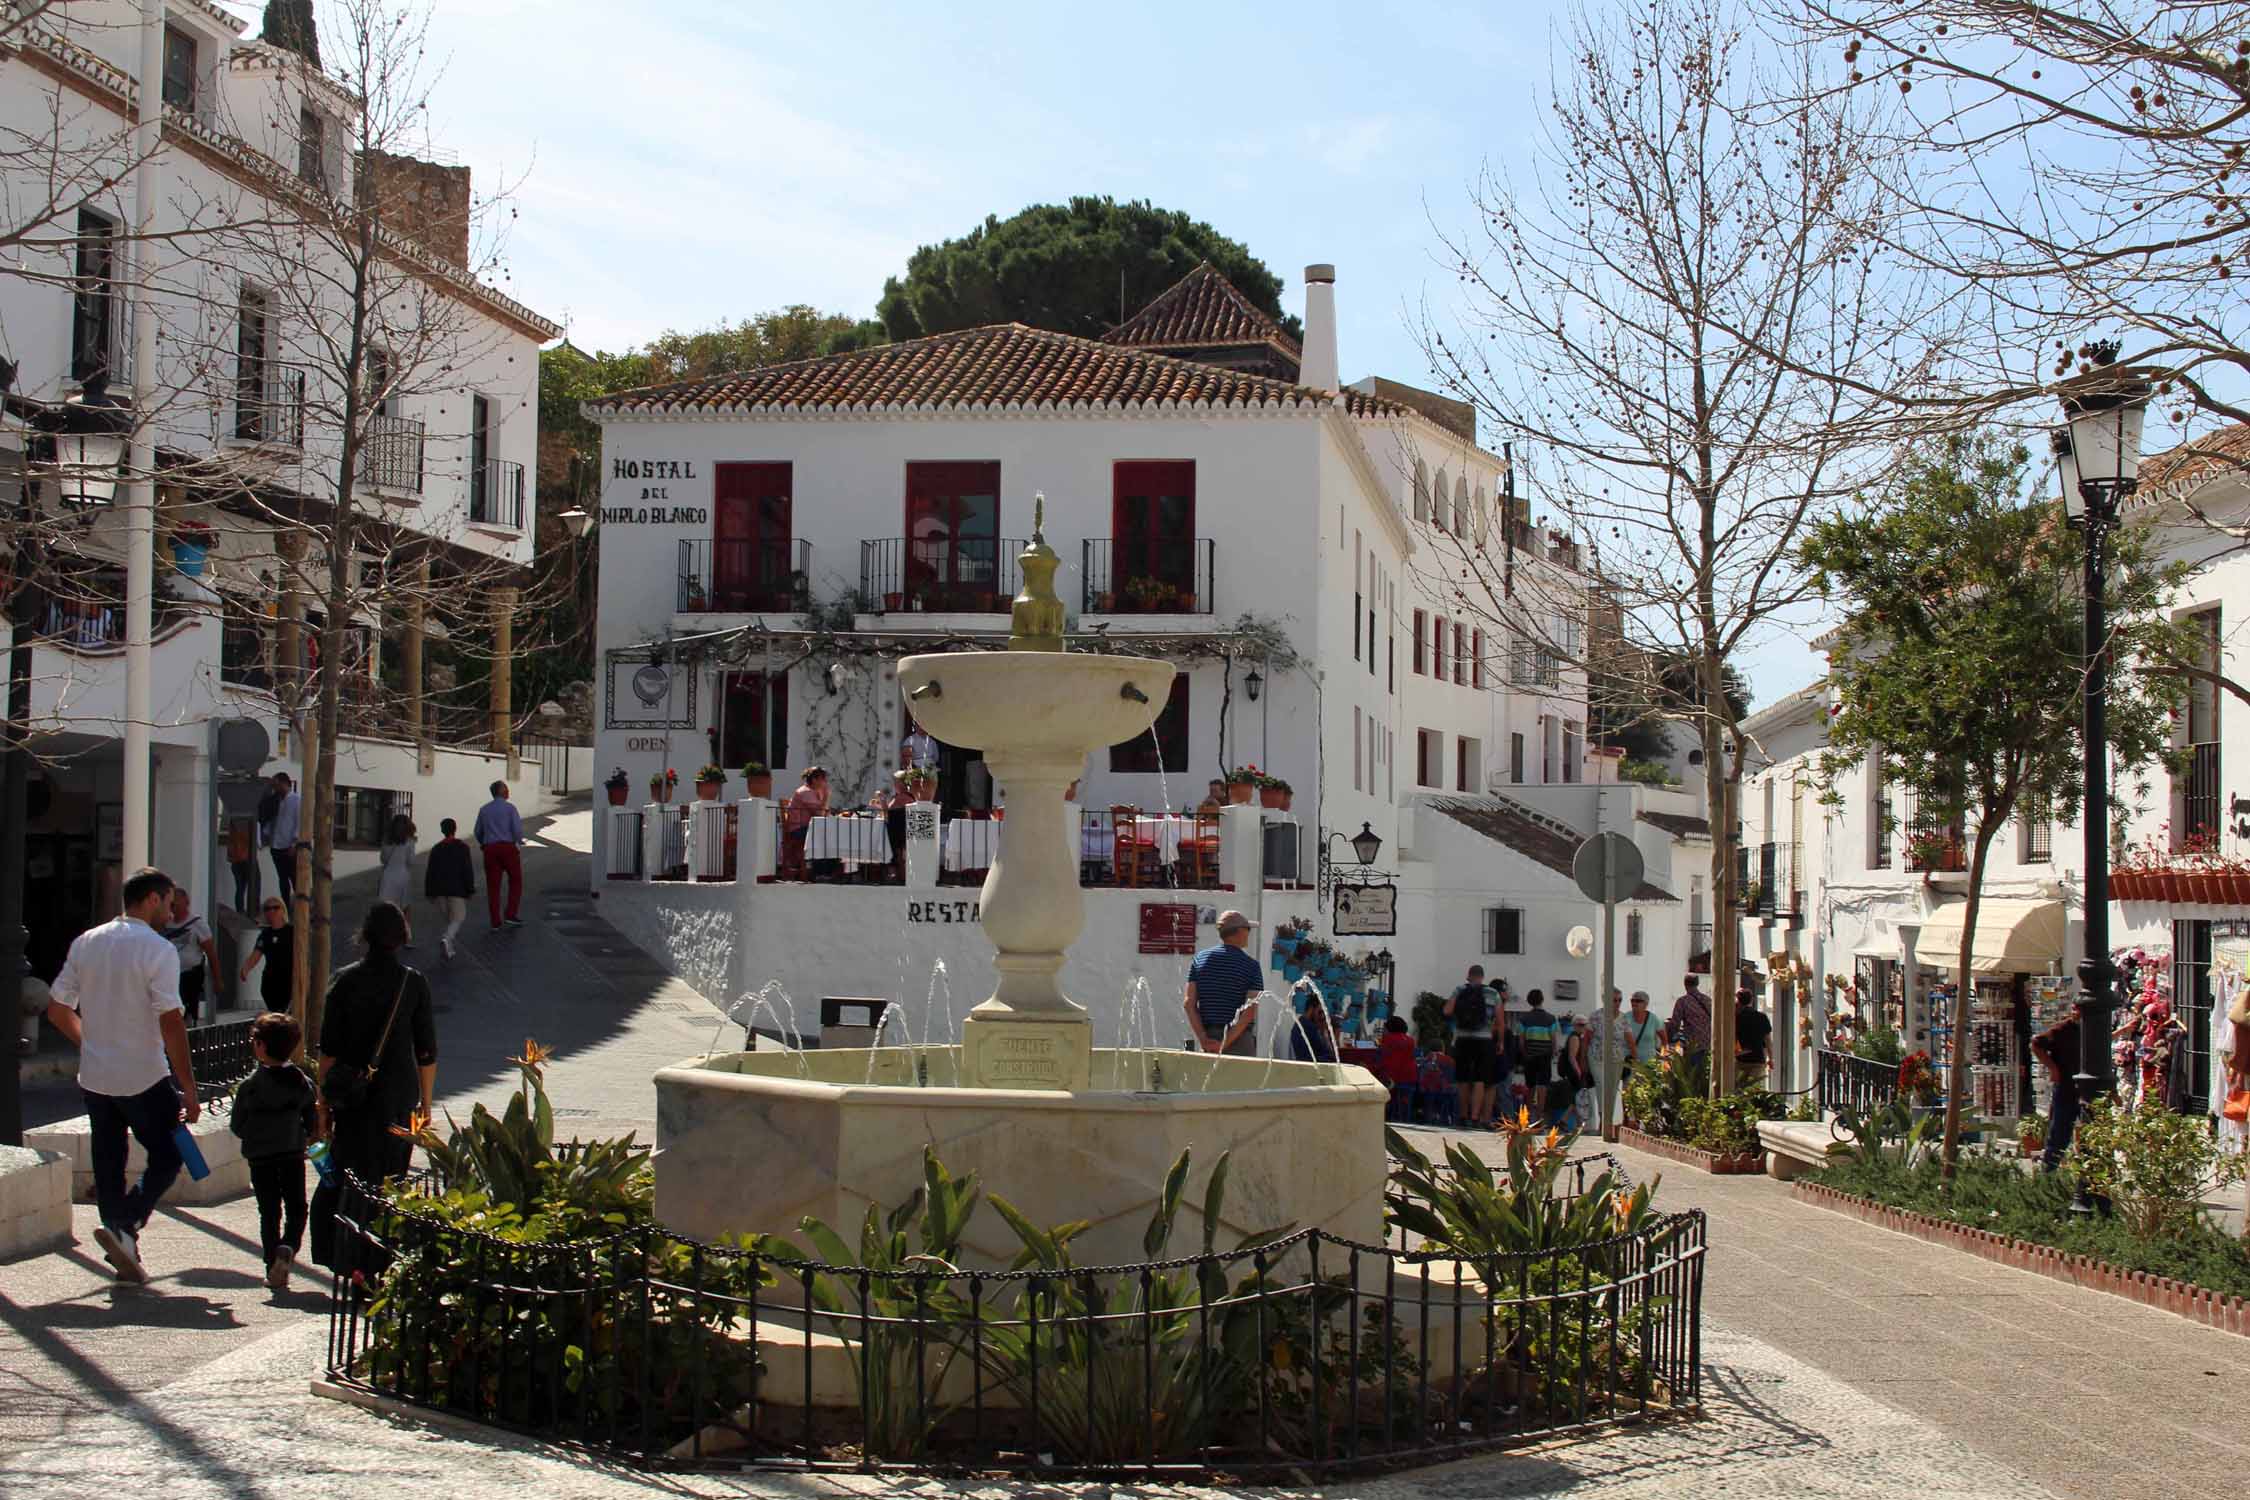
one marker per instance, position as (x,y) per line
(1421,629)
(2038,834)
(1632,934)
(1503,930)
(93,308)
(312,147)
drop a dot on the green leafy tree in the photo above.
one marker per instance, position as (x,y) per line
(1081,268)
(798,331)
(1959,665)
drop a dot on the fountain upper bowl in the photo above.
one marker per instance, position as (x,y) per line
(1055,701)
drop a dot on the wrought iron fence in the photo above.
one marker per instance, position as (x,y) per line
(269,403)
(496,494)
(1310,1356)
(1139,576)
(390,454)
(735,576)
(2199,797)
(962,575)
(219,1057)
(1845,1081)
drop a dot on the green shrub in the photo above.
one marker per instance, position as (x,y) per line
(1880,1044)
(1657,1092)
(1432,1032)
(2150,1163)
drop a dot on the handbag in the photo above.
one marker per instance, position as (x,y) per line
(2237,1107)
(346,1084)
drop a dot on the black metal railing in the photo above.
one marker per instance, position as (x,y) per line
(219,1056)
(1845,1081)
(2199,800)
(390,453)
(1699,939)
(496,493)
(1301,1359)
(1792,881)
(973,575)
(552,755)
(269,403)
(1132,577)
(1769,861)
(744,577)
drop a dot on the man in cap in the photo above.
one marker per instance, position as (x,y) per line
(1221,1015)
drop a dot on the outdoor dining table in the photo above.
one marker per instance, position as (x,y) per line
(970,844)
(1166,833)
(855,841)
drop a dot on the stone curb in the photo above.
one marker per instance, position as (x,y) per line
(2200,1304)
(1749,1164)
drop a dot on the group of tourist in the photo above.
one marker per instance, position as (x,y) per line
(118,1000)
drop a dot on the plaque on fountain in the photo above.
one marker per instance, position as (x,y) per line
(1005,1054)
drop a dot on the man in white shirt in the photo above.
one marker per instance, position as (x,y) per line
(118,1000)
(285,835)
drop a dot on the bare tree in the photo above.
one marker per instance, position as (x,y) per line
(1688,314)
(366,290)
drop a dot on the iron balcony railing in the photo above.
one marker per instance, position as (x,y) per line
(390,453)
(1698,939)
(1768,872)
(1846,1082)
(949,575)
(269,403)
(1791,888)
(2199,803)
(496,494)
(744,577)
(1135,577)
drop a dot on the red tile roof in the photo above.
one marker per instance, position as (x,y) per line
(1537,837)
(1202,310)
(999,366)
(2226,451)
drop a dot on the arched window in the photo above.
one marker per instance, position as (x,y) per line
(1461,506)
(1440,500)
(1483,515)
(1421,492)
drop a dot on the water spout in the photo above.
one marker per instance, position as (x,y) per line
(1128,692)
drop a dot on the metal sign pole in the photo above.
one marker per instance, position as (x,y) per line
(1608,869)
(1603,1018)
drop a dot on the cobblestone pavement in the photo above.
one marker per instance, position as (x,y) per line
(1843,1360)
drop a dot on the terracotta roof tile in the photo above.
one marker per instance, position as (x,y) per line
(1202,310)
(1001,365)
(1538,838)
(2165,475)
(1679,825)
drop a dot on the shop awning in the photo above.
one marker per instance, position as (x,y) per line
(2013,937)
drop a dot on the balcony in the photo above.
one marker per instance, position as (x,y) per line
(744,577)
(1769,873)
(969,575)
(269,404)
(496,494)
(390,453)
(1134,577)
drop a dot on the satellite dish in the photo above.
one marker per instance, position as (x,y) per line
(1580,942)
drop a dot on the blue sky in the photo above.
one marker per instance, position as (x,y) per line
(707,159)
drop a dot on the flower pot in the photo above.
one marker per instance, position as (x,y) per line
(1239,793)
(708,791)
(188,557)
(1269,796)
(760,785)
(891,602)
(1287,798)
(660,794)
(618,794)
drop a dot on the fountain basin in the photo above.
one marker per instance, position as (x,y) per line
(745,1144)
(1034,703)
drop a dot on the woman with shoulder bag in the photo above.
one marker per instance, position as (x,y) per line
(378,1068)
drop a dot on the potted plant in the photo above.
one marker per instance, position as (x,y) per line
(191,543)
(2031,1134)
(893,602)
(1753,895)
(757,779)
(920,785)
(691,596)
(1242,783)
(1929,850)
(1270,790)
(1104,602)
(660,785)
(709,780)
(617,786)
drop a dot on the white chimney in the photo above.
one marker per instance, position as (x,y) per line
(1318,368)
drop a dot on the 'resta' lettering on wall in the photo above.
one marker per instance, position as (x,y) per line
(646,484)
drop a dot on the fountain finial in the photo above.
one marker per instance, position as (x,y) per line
(1035,621)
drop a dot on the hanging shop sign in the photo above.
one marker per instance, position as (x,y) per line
(1366,911)
(640,693)
(1167,927)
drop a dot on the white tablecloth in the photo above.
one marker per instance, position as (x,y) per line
(970,844)
(1166,833)
(856,841)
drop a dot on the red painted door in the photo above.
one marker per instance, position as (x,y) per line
(1152,537)
(750,540)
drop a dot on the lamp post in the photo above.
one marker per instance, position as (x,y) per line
(76,447)
(2097,455)
(1366,845)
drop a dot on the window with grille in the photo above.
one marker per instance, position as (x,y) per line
(2038,834)
(312,147)
(1503,930)
(93,308)
(1421,629)
(1632,934)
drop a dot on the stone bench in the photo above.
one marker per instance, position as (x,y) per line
(1792,1146)
(73,1140)
(34,1202)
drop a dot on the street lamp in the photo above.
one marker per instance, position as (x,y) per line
(1253,684)
(85,442)
(2097,455)
(1366,844)
(577,521)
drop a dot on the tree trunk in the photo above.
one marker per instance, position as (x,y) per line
(1725,929)
(1957,1075)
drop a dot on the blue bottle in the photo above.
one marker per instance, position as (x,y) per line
(191,1155)
(317,1153)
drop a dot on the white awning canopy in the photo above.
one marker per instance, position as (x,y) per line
(2013,937)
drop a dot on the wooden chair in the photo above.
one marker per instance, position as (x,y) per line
(1200,853)
(1135,856)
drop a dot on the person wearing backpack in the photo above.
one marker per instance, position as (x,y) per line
(1476,1063)
(1540,1033)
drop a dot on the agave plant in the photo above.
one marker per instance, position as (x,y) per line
(888,1313)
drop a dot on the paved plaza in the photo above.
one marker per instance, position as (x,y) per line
(1842,1360)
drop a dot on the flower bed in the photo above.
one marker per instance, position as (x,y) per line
(1719,1164)
(2203,1304)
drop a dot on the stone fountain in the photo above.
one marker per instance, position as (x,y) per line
(754,1141)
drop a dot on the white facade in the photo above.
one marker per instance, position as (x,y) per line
(1860,904)
(245,408)
(1317,536)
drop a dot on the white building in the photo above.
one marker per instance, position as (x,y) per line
(245,412)
(774,540)
(1870,912)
